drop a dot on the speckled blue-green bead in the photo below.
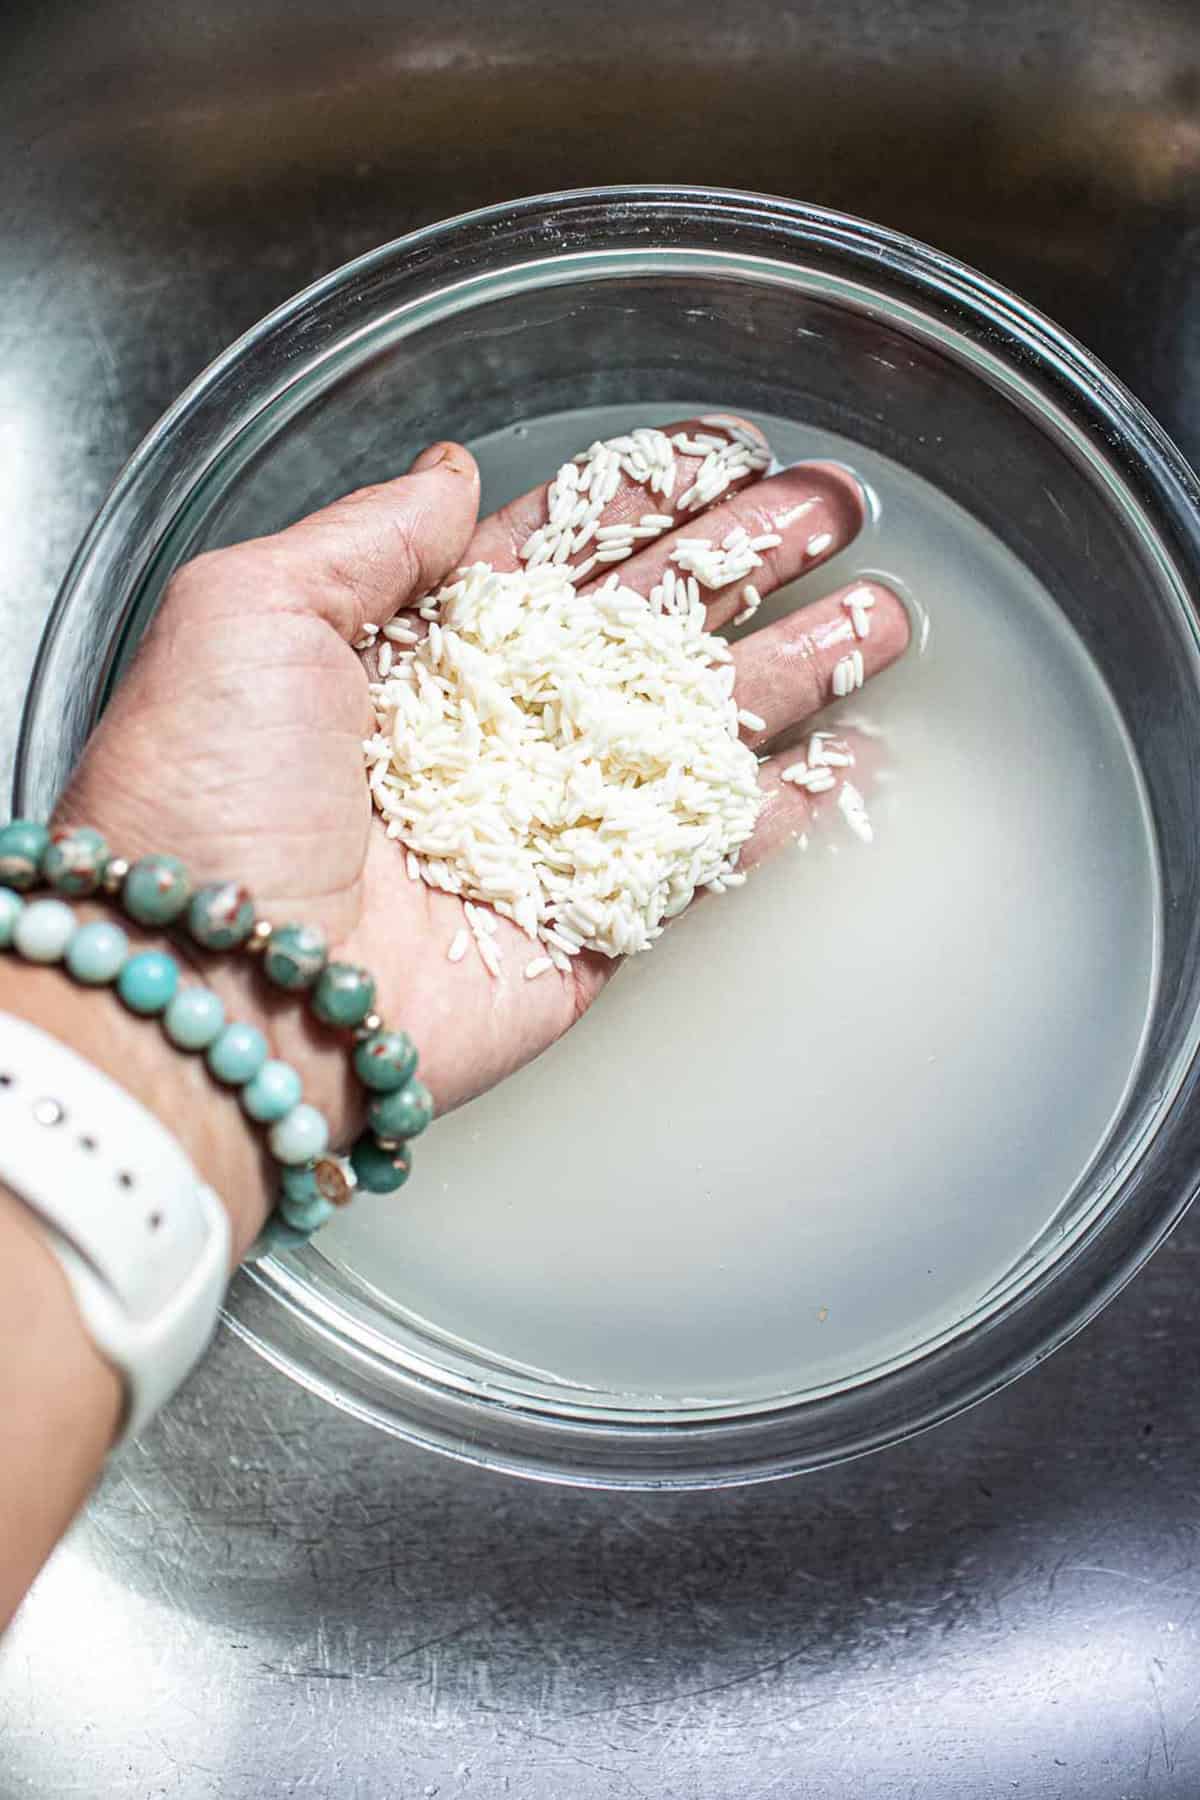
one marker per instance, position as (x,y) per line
(194,1019)
(74,860)
(236,1056)
(273,1092)
(11,908)
(156,890)
(403,1114)
(276,1235)
(384,1061)
(22,847)
(220,916)
(344,994)
(147,981)
(295,956)
(44,930)
(380,1171)
(96,952)
(299,1136)
(306,1215)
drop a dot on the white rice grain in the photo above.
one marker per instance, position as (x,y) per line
(489,956)
(847,674)
(854,811)
(400,631)
(751,601)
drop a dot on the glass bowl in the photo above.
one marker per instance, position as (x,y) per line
(647,295)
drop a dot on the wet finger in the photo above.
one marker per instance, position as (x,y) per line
(820,653)
(623,491)
(841,798)
(755,541)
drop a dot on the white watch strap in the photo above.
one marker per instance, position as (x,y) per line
(143,1242)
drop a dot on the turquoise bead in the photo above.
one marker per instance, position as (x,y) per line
(276,1235)
(155,890)
(236,1056)
(299,1136)
(74,860)
(306,1215)
(300,1184)
(11,907)
(22,847)
(384,1061)
(147,981)
(194,1019)
(44,930)
(96,952)
(220,916)
(295,956)
(273,1092)
(344,994)
(380,1171)
(403,1114)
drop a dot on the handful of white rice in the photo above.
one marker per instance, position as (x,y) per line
(570,759)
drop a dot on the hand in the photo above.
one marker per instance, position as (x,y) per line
(236,743)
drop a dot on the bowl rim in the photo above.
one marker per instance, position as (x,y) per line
(493,1429)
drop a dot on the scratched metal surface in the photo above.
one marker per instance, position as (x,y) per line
(265,1598)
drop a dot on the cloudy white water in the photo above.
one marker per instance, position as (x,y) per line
(829,1111)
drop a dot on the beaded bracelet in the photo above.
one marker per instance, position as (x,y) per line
(155,891)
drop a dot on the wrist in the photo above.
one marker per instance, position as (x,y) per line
(58,1422)
(175,1086)
(282,1016)
(317,1053)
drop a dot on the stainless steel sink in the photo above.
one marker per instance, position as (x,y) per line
(267,1599)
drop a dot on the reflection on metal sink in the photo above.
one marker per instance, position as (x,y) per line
(226,154)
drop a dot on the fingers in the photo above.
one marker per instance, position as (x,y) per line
(763,537)
(820,653)
(692,445)
(793,812)
(355,563)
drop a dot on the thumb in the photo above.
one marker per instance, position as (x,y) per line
(358,561)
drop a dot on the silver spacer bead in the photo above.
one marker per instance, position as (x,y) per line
(115,871)
(370,1025)
(259,938)
(389,1143)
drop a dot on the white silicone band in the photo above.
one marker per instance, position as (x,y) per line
(144,1244)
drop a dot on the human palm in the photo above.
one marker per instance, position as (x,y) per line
(236,743)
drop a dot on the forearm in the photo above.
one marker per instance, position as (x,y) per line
(62,1403)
